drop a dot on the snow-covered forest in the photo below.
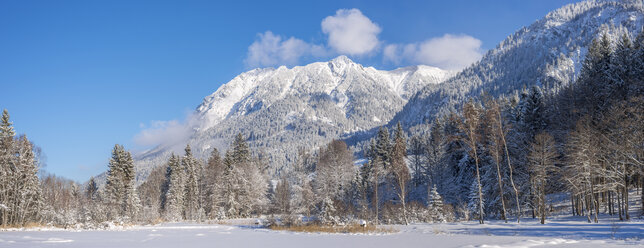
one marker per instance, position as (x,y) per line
(492,159)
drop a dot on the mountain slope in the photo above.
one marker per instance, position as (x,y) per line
(547,53)
(281,110)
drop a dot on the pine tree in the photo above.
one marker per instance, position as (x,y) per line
(212,183)
(241,152)
(621,69)
(435,204)
(131,202)
(27,197)
(91,191)
(416,151)
(435,149)
(6,163)
(383,147)
(115,185)
(475,200)
(192,208)
(175,194)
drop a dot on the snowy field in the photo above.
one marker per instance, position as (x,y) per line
(560,233)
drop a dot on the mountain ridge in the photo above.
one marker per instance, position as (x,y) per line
(302,106)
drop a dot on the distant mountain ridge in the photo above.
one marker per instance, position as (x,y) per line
(281,110)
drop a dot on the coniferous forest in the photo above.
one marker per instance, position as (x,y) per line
(491,158)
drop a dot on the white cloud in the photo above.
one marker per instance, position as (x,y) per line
(164,133)
(272,50)
(447,52)
(350,32)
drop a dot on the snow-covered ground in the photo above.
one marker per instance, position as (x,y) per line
(566,232)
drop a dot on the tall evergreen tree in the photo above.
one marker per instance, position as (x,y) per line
(192,206)
(241,152)
(6,164)
(115,184)
(174,197)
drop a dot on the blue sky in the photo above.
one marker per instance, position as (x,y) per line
(80,76)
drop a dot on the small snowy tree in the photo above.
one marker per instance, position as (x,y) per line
(435,205)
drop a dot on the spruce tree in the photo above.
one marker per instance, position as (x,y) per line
(6,160)
(175,195)
(435,204)
(192,168)
(115,185)
(383,147)
(131,201)
(91,190)
(241,152)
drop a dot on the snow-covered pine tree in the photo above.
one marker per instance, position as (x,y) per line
(621,69)
(175,194)
(27,198)
(475,201)
(435,148)
(383,146)
(211,184)
(416,152)
(435,205)
(192,206)
(91,191)
(115,185)
(241,152)
(230,186)
(131,202)
(6,160)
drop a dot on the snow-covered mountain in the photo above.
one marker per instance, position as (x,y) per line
(547,53)
(281,110)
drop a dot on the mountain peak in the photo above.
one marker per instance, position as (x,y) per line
(340,64)
(342,59)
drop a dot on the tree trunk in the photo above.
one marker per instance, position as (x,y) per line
(619,204)
(610,202)
(626,215)
(478,179)
(572,204)
(542,202)
(498,173)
